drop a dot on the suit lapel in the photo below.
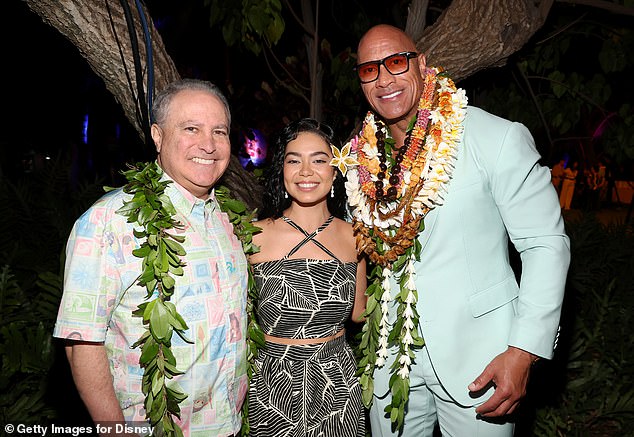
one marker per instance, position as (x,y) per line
(430,218)
(430,222)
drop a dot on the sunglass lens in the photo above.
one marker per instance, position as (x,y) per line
(396,64)
(368,72)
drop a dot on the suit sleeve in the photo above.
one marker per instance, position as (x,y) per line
(530,210)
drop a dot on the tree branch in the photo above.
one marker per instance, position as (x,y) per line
(416,18)
(492,30)
(293,90)
(537,107)
(296,17)
(600,4)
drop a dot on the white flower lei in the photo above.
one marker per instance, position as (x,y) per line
(440,135)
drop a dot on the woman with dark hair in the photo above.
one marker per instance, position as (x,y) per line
(276,198)
(310,282)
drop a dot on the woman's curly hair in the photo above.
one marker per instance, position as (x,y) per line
(274,202)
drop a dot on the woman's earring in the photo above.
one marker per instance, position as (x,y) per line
(332,191)
(285,194)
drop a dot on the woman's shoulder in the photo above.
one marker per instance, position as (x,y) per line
(260,238)
(344,235)
(342,222)
(342,226)
(264,223)
(265,226)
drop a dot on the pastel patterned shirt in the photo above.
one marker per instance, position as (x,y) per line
(100,294)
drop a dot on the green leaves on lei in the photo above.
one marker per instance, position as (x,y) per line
(161,251)
(370,344)
(243,228)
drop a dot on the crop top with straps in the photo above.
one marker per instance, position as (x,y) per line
(303,297)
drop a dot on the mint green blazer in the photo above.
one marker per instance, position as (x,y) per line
(471,307)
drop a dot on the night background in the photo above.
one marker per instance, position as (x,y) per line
(52,89)
(56,103)
(65,136)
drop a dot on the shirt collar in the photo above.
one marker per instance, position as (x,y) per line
(183,200)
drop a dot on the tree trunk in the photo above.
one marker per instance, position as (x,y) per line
(311,41)
(100,33)
(472,35)
(416,19)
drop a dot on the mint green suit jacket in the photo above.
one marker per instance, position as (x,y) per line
(470,304)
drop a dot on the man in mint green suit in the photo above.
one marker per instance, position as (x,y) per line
(482,328)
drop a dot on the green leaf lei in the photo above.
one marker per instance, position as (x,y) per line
(369,344)
(244,229)
(162,253)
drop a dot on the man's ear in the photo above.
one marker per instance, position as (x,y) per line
(422,63)
(157,136)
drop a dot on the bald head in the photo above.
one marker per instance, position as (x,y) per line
(384,35)
(394,95)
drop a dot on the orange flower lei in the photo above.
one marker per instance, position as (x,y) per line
(369,165)
(387,228)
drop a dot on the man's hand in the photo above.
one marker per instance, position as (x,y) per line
(509,373)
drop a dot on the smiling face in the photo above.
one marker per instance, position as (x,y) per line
(308,175)
(193,141)
(394,97)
